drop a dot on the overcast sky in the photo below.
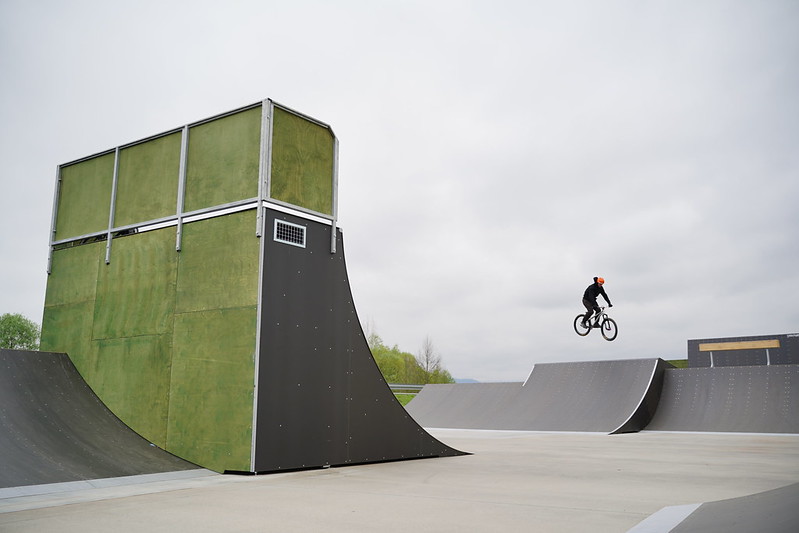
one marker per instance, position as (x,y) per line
(495,155)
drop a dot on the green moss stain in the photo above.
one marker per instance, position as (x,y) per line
(67,328)
(69,304)
(302,163)
(85,197)
(74,274)
(136,291)
(223,160)
(211,398)
(133,379)
(213,367)
(219,263)
(147,187)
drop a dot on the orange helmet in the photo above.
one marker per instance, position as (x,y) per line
(601,281)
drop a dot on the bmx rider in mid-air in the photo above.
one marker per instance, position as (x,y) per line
(589,300)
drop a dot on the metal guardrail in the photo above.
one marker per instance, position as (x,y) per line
(408,389)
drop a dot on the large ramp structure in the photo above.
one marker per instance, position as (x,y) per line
(197,281)
(751,399)
(597,396)
(54,429)
(619,397)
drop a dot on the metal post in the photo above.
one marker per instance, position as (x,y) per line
(109,235)
(54,215)
(335,194)
(263,163)
(264,176)
(266,191)
(184,159)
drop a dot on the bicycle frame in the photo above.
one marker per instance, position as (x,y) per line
(601,318)
(606,325)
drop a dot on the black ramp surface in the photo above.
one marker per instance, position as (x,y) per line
(54,429)
(463,405)
(591,396)
(322,400)
(758,399)
(772,511)
(595,396)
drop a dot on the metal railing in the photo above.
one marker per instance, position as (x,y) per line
(406,389)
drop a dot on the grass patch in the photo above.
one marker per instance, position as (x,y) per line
(679,363)
(404,398)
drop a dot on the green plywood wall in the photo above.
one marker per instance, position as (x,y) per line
(224,158)
(133,377)
(303,155)
(211,398)
(147,186)
(132,330)
(69,304)
(136,290)
(85,197)
(222,167)
(167,338)
(219,264)
(181,378)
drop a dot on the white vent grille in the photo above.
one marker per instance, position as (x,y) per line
(289,233)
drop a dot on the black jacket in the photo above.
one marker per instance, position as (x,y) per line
(593,291)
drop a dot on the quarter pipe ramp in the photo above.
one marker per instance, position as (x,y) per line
(619,397)
(751,399)
(54,429)
(596,396)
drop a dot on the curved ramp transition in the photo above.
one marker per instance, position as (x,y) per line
(597,396)
(54,429)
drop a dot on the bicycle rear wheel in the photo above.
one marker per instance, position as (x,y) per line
(581,330)
(609,329)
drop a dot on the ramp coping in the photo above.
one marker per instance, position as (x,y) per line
(529,376)
(643,397)
(666,519)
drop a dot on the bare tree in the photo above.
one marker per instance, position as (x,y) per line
(372,338)
(428,359)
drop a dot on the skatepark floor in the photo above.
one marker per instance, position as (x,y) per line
(513,481)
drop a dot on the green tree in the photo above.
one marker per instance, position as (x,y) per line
(402,367)
(18,333)
(393,362)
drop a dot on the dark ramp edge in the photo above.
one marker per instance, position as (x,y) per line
(773,511)
(322,399)
(641,417)
(54,429)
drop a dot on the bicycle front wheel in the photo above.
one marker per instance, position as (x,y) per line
(581,330)
(609,329)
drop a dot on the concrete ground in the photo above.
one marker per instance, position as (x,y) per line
(514,481)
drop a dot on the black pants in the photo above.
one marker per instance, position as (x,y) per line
(591,307)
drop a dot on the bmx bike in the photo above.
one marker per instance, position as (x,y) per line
(605,324)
